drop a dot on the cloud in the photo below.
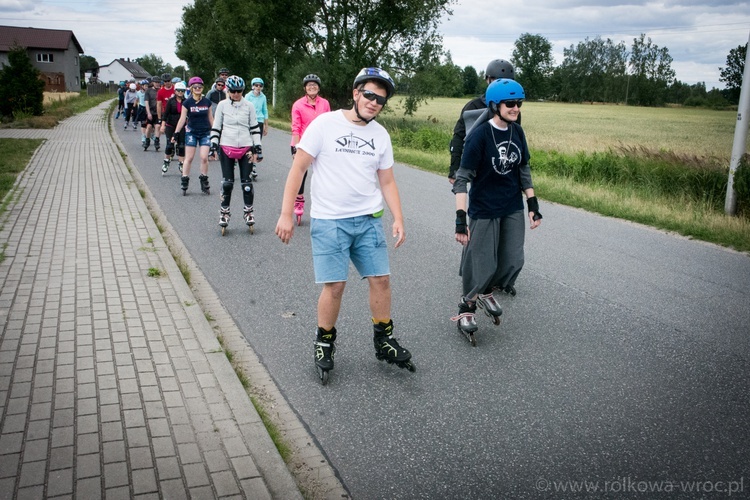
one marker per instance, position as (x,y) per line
(16,5)
(698,34)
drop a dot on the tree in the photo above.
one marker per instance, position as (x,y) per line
(433,78)
(532,59)
(23,88)
(153,64)
(332,38)
(731,75)
(593,70)
(88,63)
(652,73)
(471,80)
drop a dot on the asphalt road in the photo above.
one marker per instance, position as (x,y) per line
(623,362)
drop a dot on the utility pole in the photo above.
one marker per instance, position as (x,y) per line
(740,137)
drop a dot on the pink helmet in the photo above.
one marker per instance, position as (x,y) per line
(194,80)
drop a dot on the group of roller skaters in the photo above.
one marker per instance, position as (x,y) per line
(489,174)
(221,125)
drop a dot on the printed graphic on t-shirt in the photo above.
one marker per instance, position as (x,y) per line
(508,155)
(352,144)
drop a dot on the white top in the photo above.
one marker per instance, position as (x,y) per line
(347,158)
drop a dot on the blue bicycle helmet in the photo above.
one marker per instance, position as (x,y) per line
(257,80)
(235,82)
(376,74)
(501,90)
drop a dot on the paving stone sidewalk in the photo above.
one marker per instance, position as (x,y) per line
(112,383)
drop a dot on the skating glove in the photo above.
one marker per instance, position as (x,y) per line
(214,148)
(460,221)
(533,205)
(258,152)
(294,150)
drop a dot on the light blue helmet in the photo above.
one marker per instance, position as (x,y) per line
(176,79)
(257,80)
(501,90)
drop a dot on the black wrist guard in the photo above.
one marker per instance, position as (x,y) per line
(294,150)
(258,151)
(533,205)
(460,221)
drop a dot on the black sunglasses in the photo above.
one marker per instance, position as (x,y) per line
(512,104)
(372,96)
(235,91)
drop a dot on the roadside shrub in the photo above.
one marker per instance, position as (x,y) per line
(660,173)
(23,91)
(742,185)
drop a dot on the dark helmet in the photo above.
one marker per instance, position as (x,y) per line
(376,74)
(500,68)
(166,77)
(312,77)
(223,70)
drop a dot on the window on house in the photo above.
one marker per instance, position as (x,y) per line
(45,57)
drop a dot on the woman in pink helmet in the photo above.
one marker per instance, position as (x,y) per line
(197,120)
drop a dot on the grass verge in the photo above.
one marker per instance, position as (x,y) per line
(57,111)
(273,431)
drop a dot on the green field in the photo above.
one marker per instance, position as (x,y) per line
(664,167)
(571,128)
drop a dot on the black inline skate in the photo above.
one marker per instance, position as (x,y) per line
(489,305)
(165,166)
(179,165)
(156,143)
(325,349)
(388,349)
(184,182)
(204,184)
(146,143)
(466,321)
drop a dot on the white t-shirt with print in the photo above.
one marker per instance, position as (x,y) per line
(347,158)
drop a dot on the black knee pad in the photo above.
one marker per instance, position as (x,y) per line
(169,150)
(227,185)
(181,149)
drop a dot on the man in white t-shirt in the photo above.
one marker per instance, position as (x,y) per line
(352,163)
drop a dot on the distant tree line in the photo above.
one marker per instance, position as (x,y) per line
(597,70)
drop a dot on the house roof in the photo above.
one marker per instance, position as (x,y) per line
(37,38)
(131,67)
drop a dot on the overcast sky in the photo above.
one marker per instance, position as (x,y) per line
(698,33)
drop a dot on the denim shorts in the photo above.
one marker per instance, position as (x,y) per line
(195,140)
(337,241)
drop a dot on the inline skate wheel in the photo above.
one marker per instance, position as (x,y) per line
(496,320)
(469,336)
(223,230)
(408,365)
(323,374)
(252,229)
(299,220)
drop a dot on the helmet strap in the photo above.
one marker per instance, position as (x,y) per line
(361,118)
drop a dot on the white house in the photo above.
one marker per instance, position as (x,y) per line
(120,70)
